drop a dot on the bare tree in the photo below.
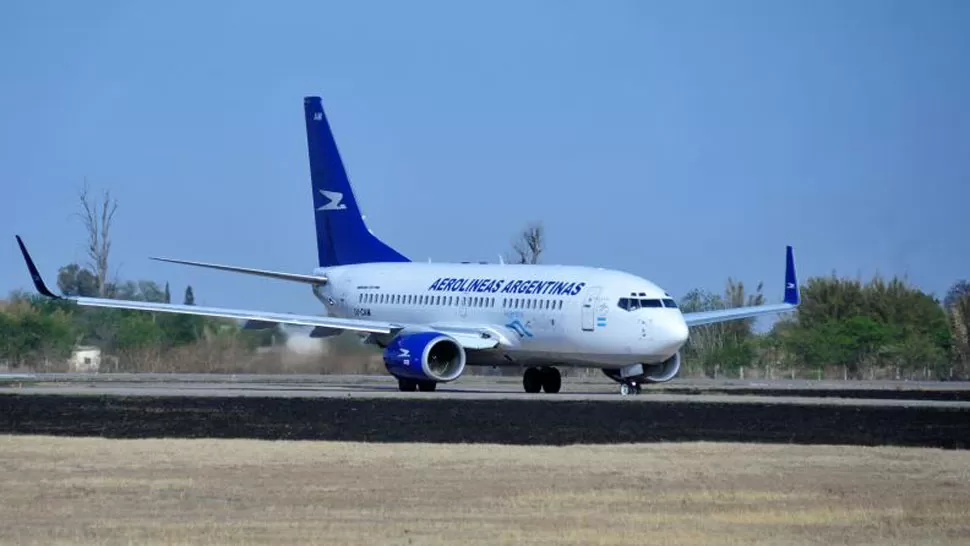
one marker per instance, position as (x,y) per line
(530,244)
(97,217)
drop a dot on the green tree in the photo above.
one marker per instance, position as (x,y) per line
(887,325)
(33,331)
(189,298)
(957,303)
(727,345)
(138,330)
(73,280)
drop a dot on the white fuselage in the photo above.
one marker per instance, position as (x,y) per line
(565,315)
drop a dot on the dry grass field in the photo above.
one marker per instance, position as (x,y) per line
(96,491)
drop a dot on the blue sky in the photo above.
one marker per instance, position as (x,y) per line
(681,141)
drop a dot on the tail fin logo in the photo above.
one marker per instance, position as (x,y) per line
(334,199)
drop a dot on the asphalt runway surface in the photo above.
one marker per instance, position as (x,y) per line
(485,409)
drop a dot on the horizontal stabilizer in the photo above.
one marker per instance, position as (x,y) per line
(295,277)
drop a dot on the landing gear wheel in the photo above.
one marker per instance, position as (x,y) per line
(629,388)
(532,380)
(406,385)
(427,386)
(551,379)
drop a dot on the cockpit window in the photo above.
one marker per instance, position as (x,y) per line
(669,302)
(635,304)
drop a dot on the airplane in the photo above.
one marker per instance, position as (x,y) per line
(433,320)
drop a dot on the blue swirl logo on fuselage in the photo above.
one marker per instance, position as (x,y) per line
(516,326)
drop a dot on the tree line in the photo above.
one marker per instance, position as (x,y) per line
(844,328)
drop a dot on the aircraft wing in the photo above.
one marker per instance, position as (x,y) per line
(791,301)
(376,327)
(722,315)
(469,337)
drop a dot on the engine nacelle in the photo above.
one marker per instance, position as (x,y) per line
(425,356)
(662,371)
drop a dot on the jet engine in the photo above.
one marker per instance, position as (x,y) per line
(425,356)
(662,371)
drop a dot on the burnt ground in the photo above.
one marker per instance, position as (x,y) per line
(929,394)
(523,422)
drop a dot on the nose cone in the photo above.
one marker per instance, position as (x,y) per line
(672,334)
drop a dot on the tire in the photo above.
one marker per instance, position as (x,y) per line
(551,380)
(532,380)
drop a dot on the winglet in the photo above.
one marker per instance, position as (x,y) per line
(792,294)
(34,274)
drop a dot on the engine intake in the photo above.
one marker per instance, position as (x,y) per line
(663,371)
(425,356)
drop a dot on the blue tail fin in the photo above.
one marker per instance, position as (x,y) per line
(342,236)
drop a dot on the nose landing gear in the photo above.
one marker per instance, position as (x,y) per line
(628,385)
(630,388)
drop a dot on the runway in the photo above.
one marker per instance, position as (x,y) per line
(877,393)
(482,410)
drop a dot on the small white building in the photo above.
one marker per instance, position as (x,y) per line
(85,358)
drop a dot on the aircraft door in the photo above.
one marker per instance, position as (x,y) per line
(589,308)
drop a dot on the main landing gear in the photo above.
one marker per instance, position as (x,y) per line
(545,378)
(411,385)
